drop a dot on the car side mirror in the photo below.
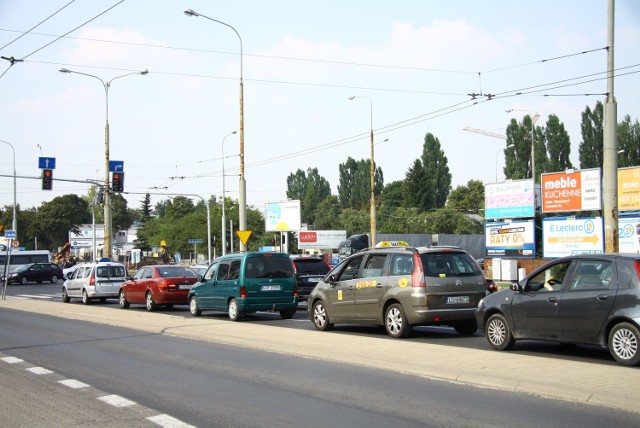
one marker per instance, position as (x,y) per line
(332,280)
(516,287)
(200,278)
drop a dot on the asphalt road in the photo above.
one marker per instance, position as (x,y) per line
(210,384)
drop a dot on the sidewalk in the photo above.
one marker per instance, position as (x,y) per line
(612,386)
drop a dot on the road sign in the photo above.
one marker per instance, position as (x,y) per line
(10,234)
(48,163)
(116,166)
(243,235)
(195,241)
(15,244)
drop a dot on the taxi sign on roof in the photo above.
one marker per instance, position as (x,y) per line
(383,244)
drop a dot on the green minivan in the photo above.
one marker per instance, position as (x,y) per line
(244,283)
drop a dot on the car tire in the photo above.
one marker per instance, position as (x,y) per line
(149,303)
(320,317)
(193,307)
(24,280)
(624,344)
(395,322)
(466,328)
(499,333)
(122,300)
(54,279)
(287,314)
(85,298)
(65,296)
(234,312)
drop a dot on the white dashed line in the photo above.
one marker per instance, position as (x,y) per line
(116,400)
(167,421)
(12,360)
(39,370)
(38,296)
(72,383)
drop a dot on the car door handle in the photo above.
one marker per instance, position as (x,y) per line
(552,299)
(603,297)
(350,287)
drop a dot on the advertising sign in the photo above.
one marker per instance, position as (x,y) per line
(87,233)
(571,191)
(79,243)
(629,234)
(510,239)
(565,236)
(629,189)
(511,199)
(321,239)
(282,216)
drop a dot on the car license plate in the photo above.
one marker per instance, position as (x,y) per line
(184,287)
(457,299)
(314,280)
(270,288)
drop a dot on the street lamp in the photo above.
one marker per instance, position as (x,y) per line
(242,197)
(372,173)
(224,217)
(497,153)
(107,194)
(14,223)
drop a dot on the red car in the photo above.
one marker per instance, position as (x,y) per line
(156,285)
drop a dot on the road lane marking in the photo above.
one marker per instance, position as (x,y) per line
(72,383)
(12,360)
(116,400)
(39,370)
(167,421)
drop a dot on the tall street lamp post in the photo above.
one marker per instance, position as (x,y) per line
(224,195)
(242,197)
(14,223)
(107,194)
(372,173)
(497,153)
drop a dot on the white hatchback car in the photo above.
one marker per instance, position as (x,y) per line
(100,280)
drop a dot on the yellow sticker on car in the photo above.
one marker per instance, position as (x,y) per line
(403,282)
(339,294)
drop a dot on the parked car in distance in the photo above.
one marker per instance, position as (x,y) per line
(247,282)
(200,268)
(155,285)
(309,271)
(398,287)
(582,299)
(98,280)
(35,272)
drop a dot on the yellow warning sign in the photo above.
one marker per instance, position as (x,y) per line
(243,235)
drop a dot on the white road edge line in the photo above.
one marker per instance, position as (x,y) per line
(167,421)
(12,360)
(39,370)
(72,383)
(116,400)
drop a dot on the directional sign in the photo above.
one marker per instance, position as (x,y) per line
(47,163)
(195,241)
(10,234)
(243,235)
(116,166)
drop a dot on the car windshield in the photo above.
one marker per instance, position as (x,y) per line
(22,268)
(448,264)
(176,272)
(266,266)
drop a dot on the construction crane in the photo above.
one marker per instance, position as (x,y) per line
(485,132)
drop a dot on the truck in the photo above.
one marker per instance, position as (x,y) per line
(352,245)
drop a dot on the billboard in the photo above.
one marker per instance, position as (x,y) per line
(565,236)
(282,216)
(629,234)
(510,239)
(510,199)
(629,189)
(320,239)
(571,191)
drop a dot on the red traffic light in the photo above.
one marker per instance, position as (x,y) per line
(118,182)
(47,179)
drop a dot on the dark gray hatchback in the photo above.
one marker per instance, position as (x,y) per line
(582,299)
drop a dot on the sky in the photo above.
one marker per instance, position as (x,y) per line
(414,67)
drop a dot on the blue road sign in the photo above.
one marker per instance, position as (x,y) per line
(46,163)
(11,234)
(195,241)
(116,166)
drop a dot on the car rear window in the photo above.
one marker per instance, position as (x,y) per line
(176,272)
(449,264)
(266,266)
(311,266)
(110,272)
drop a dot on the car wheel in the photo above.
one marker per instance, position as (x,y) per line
(54,279)
(320,317)
(234,312)
(499,333)
(85,298)
(65,296)
(150,304)
(624,340)
(395,322)
(122,300)
(466,328)
(287,314)
(23,281)
(193,307)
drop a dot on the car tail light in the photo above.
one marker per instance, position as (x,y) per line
(243,292)
(637,266)
(295,268)
(164,285)
(490,285)
(92,280)
(417,276)
(295,291)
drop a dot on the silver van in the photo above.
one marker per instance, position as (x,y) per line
(100,280)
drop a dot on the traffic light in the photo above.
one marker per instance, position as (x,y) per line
(117,182)
(47,179)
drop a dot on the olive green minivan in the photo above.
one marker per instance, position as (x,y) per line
(244,283)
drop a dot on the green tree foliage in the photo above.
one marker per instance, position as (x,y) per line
(628,142)
(56,218)
(310,189)
(143,216)
(354,221)
(468,199)
(590,150)
(394,194)
(328,213)
(121,215)
(452,222)
(558,145)
(428,179)
(296,184)
(518,159)
(354,187)
(402,220)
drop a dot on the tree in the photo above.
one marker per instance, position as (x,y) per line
(354,221)
(428,180)
(296,184)
(56,218)
(590,149)
(144,217)
(354,187)
(469,198)
(121,215)
(628,142)
(180,206)
(327,214)
(518,164)
(310,189)
(558,146)
(394,194)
